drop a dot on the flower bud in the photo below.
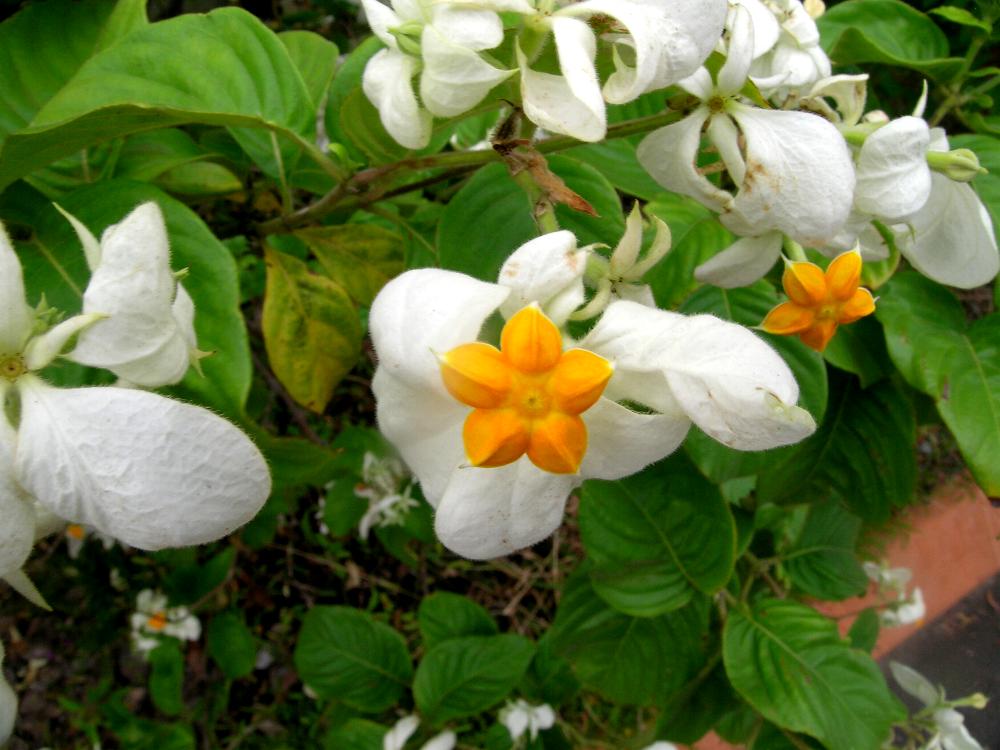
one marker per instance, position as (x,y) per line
(960,164)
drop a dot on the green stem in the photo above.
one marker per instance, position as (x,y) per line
(955,97)
(794,250)
(543,210)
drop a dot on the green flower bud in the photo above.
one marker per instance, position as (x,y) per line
(960,164)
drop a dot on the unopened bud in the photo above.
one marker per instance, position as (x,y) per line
(978,700)
(960,164)
(408,38)
(815,8)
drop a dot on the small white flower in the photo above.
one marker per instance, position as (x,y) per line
(395,738)
(905,611)
(887,579)
(76,534)
(796,60)
(949,725)
(661,746)
(154,619)
(520,716)
(386,487)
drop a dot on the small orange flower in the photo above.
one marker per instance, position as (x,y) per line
(527,396)
(819,302)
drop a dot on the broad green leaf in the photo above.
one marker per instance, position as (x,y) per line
(886,31)
(316,60)
(311,330)
(609,224)
(444,615)
(157,79)
(344,653)
(616,161)
(656,538)
(859,348)
(295,461)
(465,676)
(346,81)
(962,17)
(54,265)
(145,156)
(771,737)
(550,678)
(822,561)
(957,365)
(166,677)
(748,306)
(987,148)
(355,734)
(632,660)
(689,716)
(861,455)
(790,663)
(135,733)
(359,257)
(199,179)
(864,631)
(42,47)
(231,644)
(189,580)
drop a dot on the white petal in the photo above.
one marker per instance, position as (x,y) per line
(91,246)
(915,683)
(426,428)
(800,176)
(15,315)
(742,263)
(17,532)
(515,718)
(640,293)
(739,54)
(849,93)
(729,382)
(487,513)
(544,269)
(381,18)
(626,252)
(669,155)
(621,442)
(455,78)
(387,82)
(543,716)
(799,68)
(444,741)
(41,350)
(952,238)
(145,469)
(396,737)
(427,312)
(135,288)
(691,31)
(8,705)
(19,581)
(893,177)
(725,137)
(765,26)
(475,28)
(570,103)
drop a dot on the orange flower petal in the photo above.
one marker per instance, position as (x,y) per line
(494,437)
(558,443)
(787,318)
(579,380)
(530,341)
(818,335)
(804,282)
(843,275)
(858,306)
(477,375)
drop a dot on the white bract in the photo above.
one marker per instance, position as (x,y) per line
(387,488)
(153,619)
(402,730)
(520,716)
(144,469)
(794,60)
(793,170)
(948,725)
(906,610)
(682,369)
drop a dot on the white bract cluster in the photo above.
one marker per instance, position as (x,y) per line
(153,619)
(544,419)
(521,717)
(453,48)
(387,487)
(939,718)
(402,730)
(147,470)
(902,608)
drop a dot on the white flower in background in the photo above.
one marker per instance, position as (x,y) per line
(137,466)
(543,419)
(886,578)
(145,332)
(520,716)
(395,738)
(661,746)
(153,619)
(906,610)
(387,488)
(8,705)
(626,268)
(948,725)
(794,61)
(76,534)
(793,170)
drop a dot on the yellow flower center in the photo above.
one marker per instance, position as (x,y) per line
(75,531)
(526,396)
(12,366)
(157,621)
(820,301)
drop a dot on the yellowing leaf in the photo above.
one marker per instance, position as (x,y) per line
(360,257)
(311,330)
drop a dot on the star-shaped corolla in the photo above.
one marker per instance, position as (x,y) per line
(820,301)
(536,416)
(793,170)
(145,469)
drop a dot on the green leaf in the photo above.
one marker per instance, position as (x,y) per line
(861,455)
(316,60)
(550,678)
(656,538)
(355,734)
(886,31)
(346,654)
(864,631)
(822,561)
(748,306)
(465,676)
(231,644)
(156,79)
(145,156)
(957,365)
(962,17)
(166,677)
(609,224)
(44,45)
(789,663)
(311,330)
(616,161)
(190,581)
(859,348)
(688,718)
(359,257)
(199,179)
(444,615)
(632,660)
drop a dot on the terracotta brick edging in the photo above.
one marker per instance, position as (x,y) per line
(951,546)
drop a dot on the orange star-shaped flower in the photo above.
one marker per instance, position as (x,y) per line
(819,302)
(527,396)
